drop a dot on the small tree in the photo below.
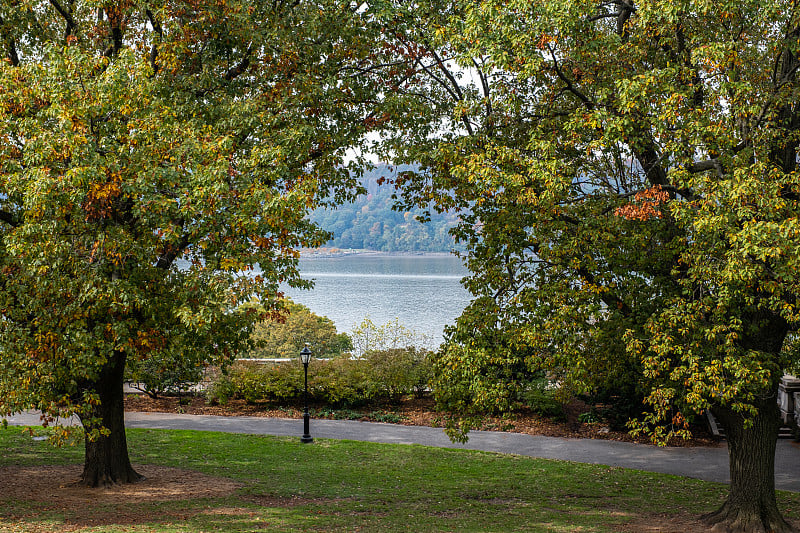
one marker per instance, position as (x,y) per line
(288,331)
(368,336)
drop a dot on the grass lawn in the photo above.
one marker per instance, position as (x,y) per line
(279,484)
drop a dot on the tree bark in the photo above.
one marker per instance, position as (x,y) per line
(106,460)
(751,505)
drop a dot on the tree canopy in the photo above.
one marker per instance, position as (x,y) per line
(153,153)
(627,175)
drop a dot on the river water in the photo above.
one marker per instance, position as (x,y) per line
(423,292)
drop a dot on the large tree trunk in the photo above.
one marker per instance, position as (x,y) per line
(751,505)
(106,459)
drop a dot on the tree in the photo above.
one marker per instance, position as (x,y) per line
(285,335)
(371,337)
(627,178)
(153,153)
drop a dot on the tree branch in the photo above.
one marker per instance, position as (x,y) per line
(171,252)
(154,48)
(115,24)
(485,86)
(708,164)
(568,82)
(609,298)
(67,16)
(11,44)
(9,218)
(237,70)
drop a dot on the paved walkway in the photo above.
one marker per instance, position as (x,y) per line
(710,464)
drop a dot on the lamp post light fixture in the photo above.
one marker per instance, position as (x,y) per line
(305,358)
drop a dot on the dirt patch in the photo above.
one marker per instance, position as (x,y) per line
(55,485)
(667,523)
(52,490)
(661,523)
(664,523)
(411,412)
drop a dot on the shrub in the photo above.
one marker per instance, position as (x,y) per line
(342,382)
(338,382)
(540,398)
(392,373)
(167,372)
(221,390)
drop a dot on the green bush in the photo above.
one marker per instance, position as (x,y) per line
(166,372)
(342,382)
(339,382)
(395,372)
(541,399)
(221,390)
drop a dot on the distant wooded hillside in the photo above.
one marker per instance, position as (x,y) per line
(370,223)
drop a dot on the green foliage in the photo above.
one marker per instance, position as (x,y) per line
(285,335)
(339,382)
(165,373)
(337,414)
(151,153)
(541,397)
(386,417)
(221,390)
(383,375)
(396,372)
(469,385)
(589,417)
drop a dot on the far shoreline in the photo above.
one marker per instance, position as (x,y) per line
(325,253)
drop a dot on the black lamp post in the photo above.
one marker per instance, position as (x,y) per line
(305,358)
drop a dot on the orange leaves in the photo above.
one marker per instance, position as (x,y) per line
(645,206)
(148,341)
(371,123)
(264,243)
(117,11)
(544,41)
(101,198)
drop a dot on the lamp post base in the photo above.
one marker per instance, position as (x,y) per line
(306,434)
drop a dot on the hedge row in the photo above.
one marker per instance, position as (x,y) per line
(379,375)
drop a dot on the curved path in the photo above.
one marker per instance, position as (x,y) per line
(710,464)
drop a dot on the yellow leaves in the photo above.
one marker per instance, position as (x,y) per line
(77,125)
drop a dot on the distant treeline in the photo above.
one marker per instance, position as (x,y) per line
(370,223)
